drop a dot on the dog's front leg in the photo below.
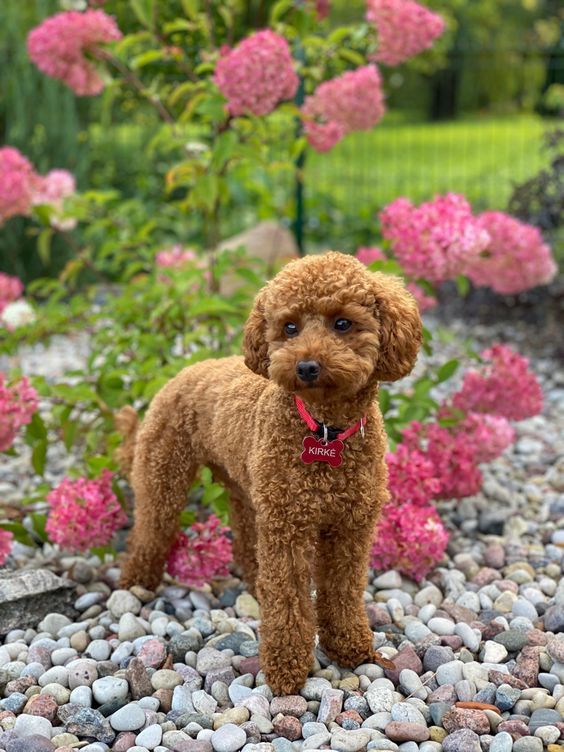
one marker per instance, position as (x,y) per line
(341,573)
(284,547)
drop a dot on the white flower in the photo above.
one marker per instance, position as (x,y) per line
(18,313)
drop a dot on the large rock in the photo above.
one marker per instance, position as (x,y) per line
(268,241)
(28,596)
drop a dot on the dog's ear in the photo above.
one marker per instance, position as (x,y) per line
(400,327)
(255,347)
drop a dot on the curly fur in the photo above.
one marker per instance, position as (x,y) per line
(291,522)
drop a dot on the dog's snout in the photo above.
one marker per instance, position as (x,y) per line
(308,370)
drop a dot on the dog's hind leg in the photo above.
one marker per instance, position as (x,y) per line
(164,468)
(243,525)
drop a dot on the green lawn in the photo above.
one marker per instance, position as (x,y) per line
(480,157)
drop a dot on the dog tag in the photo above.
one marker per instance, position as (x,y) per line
(316,450)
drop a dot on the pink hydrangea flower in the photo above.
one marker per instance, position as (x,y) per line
(84,513)
(11,289)
(409,538)
(435,241)
(176,257)
(201,554)
(405,28)
(488,435)
(411,477)
(452,457)
(368,255)
(257,74)
(18,181)
(6,540)
(353,101)
(17,405)
(54,187)
(424,301)
(62,45)
(516,258)
(503,385)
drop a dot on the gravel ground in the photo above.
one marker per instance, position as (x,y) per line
(478,646)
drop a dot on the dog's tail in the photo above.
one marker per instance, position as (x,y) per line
(126,422)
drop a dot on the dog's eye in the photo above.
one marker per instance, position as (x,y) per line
(290,329)
(343,325)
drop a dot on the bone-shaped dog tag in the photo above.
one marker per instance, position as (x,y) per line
(316,450)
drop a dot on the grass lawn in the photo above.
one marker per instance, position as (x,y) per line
(480,157)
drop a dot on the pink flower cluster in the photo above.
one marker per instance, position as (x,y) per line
(84,513)
(6,539)
(21,187)
(176,257)
(18,181)
(435,241)
(504,386)
(63,44)
(201,554)
(54,187)
(516,258)
(353,101)
(452,457)
(412,477)
(17,405)
(488,435)
(405,28)
(369,254)
(257,74)
(11,289)
(409,538)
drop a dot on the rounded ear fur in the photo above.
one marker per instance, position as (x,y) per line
(255,348)
(401,330)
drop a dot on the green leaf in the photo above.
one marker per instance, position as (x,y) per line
(146,58)
(385,400)
(69,430)
(279,9)
(19,532)
(462,285)
(191,7)
(39,520)
(38,457)
(44,245)
(351,56)
(447,370)
(36,429)
(143,9)
(389,266)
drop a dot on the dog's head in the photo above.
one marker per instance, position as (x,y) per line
(327,324)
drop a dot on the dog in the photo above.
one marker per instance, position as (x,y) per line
(294,432)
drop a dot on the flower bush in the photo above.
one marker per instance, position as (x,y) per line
(405,28)
(18,181)
(504,385)
(516,257)
(435,241)
(257,74)
(201,554)
(6,539)
(62,47)
(83,513)
(18,403)
(409,538)
(11,289)
(353,101)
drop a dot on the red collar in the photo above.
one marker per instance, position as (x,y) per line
(328,433)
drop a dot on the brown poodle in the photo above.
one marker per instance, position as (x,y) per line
(325,330)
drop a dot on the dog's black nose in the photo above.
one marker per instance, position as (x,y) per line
(308,370)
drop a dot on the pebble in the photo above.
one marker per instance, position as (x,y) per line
(229,738)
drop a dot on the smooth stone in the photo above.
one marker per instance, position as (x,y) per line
(543,717)
(128,718)
(441,626)
(150,737)
(349,741)
(228,738)
(109,688)
(122,602)
(528,744)
(463,740)
(502,742)
(29,725)
(450,673)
